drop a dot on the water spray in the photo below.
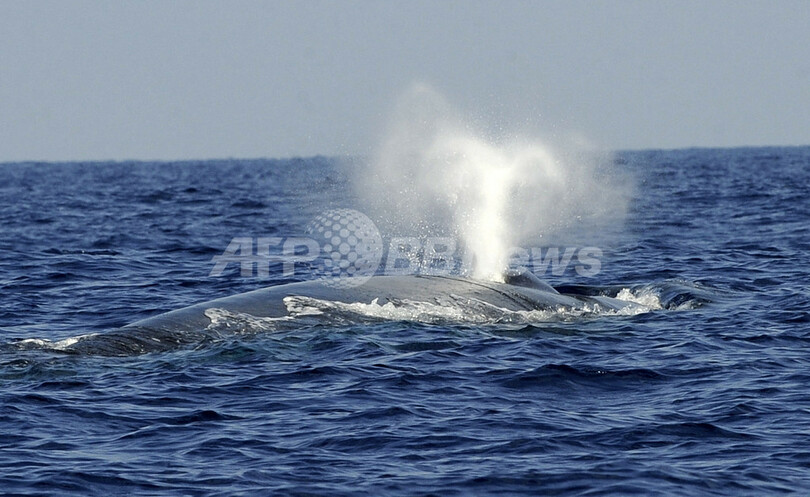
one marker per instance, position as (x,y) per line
(435,175)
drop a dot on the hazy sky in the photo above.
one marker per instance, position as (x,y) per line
(175,79)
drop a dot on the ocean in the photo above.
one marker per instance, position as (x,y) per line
(703,391)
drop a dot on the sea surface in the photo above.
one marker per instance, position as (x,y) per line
(705,392)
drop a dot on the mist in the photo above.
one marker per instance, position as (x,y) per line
(438,172)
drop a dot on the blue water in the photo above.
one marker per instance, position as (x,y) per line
(708,395)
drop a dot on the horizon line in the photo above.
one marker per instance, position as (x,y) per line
(355,156)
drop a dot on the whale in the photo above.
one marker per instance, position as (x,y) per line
(519,292)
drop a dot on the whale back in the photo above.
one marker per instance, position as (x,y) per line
(193,324)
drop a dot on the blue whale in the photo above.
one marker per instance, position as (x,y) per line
(520,291)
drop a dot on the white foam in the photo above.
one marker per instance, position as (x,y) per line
(645,297)
(240,322)
(57,345)
(405,310)
(453,310)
